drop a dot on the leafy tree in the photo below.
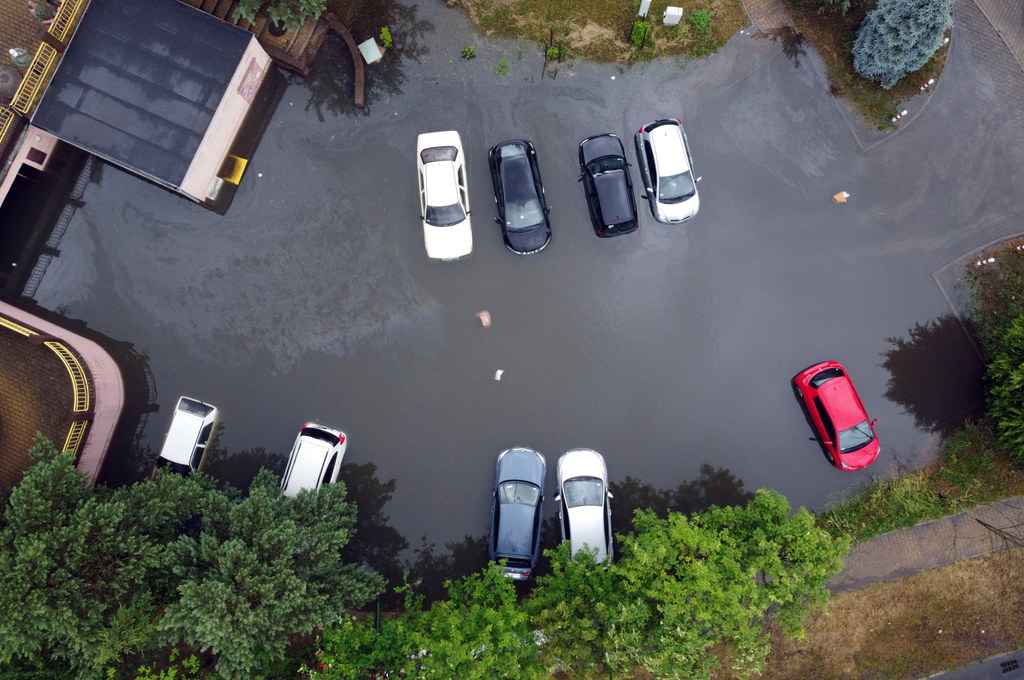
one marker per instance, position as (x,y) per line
(262,568)
(1006,389)
(79,568)
(898,37)
(573,608)
(290,13)
(691,584)
(479,633)
(841,6)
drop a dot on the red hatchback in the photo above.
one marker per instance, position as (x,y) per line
(834,407)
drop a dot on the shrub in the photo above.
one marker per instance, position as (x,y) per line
(641,29)
(502,67)
(468,51)
(1006,390)
(700,19)
(385,37)
(898,37)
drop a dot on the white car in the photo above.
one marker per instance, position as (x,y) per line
(188,436)
(667,170)
(315,459)
(444,195)
(584,511)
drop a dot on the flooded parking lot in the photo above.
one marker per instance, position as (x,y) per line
(667,349)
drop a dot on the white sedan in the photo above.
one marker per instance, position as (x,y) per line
(584,513)
(444,196)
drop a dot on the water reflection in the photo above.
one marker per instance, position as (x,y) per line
(935,375)
(330,82)
(714,486)
(431,567)
(376,543)
(240,468)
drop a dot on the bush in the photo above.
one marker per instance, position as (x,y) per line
(899,37)
(1006,390)
(502,67)
(641,30)
(700,19)
(468,51)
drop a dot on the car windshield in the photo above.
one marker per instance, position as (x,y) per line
(523,493)
(606,164)
(676,188)
(439,153)
(523,215)
(855,438)
(444,215)
(583,491)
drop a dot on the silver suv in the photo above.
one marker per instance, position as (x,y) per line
(667,170)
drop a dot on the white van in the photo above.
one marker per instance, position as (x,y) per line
(187,437)
(315,459)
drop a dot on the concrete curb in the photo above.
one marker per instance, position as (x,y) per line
(107,381)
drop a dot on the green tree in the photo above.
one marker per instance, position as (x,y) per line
(262,568)
(899,37)
(573,608)
(692,584)
(81,569)
(841,6)
(1005,378)
(290,13)
(479,633)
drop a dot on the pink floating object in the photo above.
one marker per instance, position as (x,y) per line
(485,318)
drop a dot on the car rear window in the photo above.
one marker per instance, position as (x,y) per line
(826,375)
(439,153)
(194,407)
(444,215)
(315,433)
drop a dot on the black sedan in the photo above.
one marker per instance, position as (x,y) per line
(605,177)
(519,194)
(516,511)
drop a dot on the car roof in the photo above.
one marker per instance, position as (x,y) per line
(669,151)
(614,196)
(840,398)
(440,184)
(310,459)
(587,523)
(515,530)
(183,432)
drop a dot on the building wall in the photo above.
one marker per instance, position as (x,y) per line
(238,99)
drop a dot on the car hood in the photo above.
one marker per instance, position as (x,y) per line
(581,463)
(677,212)
(602,145)
(515,531)
(613,194)
(587,527)
(448,243)
(523,465)
(530,240)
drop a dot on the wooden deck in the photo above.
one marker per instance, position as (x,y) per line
(297,47)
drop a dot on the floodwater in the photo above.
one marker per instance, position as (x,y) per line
(665,350)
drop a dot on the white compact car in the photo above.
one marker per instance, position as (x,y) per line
(667,170)
(584,511)
(188,435)
(444,195)
(315,459)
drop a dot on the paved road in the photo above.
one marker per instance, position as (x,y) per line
(664,350)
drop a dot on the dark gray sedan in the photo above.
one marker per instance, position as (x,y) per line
(605,176)
(519,196)
(518,504)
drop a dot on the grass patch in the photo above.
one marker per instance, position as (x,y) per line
(601,30)
(832,35)
(972,469)
(909,628)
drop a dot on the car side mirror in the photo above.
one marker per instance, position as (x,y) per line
(874,421)
(700,178)
(558,498)
(811,438)
(547,210)
(497,220)
(610,495)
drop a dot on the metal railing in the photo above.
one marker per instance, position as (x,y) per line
(79,381)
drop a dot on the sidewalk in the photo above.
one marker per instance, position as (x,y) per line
(981,530)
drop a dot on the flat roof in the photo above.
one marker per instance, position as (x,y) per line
(139,83)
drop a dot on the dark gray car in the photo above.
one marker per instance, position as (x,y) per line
(605,176)
(516,510)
